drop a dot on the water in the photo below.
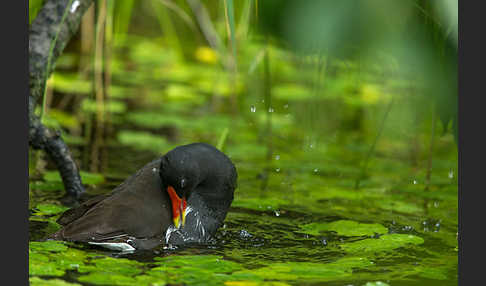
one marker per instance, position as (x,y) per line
(297,218)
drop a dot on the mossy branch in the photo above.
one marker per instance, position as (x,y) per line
(50,32)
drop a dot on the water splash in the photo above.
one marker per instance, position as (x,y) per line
(245,234)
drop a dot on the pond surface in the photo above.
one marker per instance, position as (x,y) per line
(317,203)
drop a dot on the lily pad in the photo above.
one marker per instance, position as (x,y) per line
(39,264)
(107,278)
(216,263)
(339,269)
(115,266)
(36,281)
(49,209)
(344,228)
(400,206)
(383,243)
(47,246)
(255,283)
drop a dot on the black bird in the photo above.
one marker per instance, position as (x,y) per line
(179,198)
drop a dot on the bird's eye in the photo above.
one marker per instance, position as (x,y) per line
(183,183)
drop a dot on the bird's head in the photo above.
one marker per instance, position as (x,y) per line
(180,175)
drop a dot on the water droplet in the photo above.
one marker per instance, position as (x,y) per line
(277,213)
(316,170)
(451,174)
(270,110)
(74,7)
(277,170)
(436,204)
(263,100)
(311,146)
(252,108)
(286,106)
(324,241)
(277,157)
(414,182)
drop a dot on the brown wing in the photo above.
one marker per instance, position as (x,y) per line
(138,207)
(75,213)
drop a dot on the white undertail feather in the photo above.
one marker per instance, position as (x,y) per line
(118,246)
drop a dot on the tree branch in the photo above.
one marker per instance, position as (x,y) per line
(49,28)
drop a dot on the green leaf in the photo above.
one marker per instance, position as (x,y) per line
(49,209)
(107,278)
(383,243)
(345,228)
(336,270)
(216,263)
(112,106)
(36,281)
(143,141)
(87,177)
(117,266)
(49,246)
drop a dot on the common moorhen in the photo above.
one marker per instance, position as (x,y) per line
(179,198)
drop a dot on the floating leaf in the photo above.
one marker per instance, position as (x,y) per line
(345,228)
(39,264)
(383,243)
(117,266)
(255,283)
(49,209)
(216,263)
(339,269)
(50,245)
(107,278)
(399,206)
(36,281)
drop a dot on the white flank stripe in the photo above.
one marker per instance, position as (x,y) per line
(119,246)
